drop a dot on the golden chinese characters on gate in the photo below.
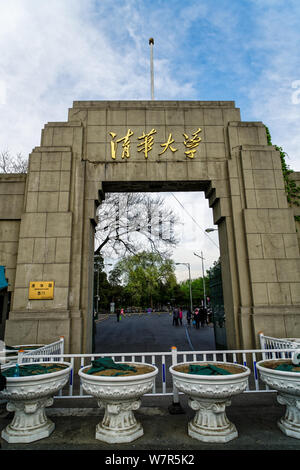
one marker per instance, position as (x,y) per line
(145,145)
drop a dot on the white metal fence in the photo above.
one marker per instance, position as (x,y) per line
(19,354)
(163,360)
(50,352)
(269,342)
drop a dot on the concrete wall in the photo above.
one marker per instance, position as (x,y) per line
(296,209)
(12,189)
(242,179)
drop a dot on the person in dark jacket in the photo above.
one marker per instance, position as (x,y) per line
(175,316)
(197,318)
(188,316)
(203,316)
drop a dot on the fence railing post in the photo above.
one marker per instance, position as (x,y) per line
(261,340)
(62,346)
(174,362)
(20,356)
(2,352)
(175,408)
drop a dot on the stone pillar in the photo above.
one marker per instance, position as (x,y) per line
(44,249)
(272,245)
(50,242)
(258,240)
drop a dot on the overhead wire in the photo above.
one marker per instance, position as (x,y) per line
(195,221)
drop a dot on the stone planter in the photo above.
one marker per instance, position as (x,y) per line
(208,396)
(287,385)
(120,396)
(28,397)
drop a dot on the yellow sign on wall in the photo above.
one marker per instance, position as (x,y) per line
(41,290)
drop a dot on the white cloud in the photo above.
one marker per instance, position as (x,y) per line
(53,53)
(2,92)
(272,94)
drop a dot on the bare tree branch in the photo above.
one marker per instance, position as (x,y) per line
(10,164)
(131,222)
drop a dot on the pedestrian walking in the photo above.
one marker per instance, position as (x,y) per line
(188,316)
(203,316)
(122,313)
(118,313)
(209,315)
(197,318)
(180,316)
(175,316)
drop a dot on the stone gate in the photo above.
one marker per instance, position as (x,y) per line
(48,217)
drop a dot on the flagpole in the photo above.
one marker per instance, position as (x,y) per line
(151,44)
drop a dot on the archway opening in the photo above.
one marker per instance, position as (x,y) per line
(147,323)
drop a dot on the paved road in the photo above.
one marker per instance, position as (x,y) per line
(150,332)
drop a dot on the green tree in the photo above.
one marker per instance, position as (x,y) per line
(147,278)
(197,291)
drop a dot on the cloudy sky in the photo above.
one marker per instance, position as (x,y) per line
(55,52)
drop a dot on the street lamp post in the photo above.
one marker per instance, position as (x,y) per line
(98,282)
(190,282)
(204,292)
